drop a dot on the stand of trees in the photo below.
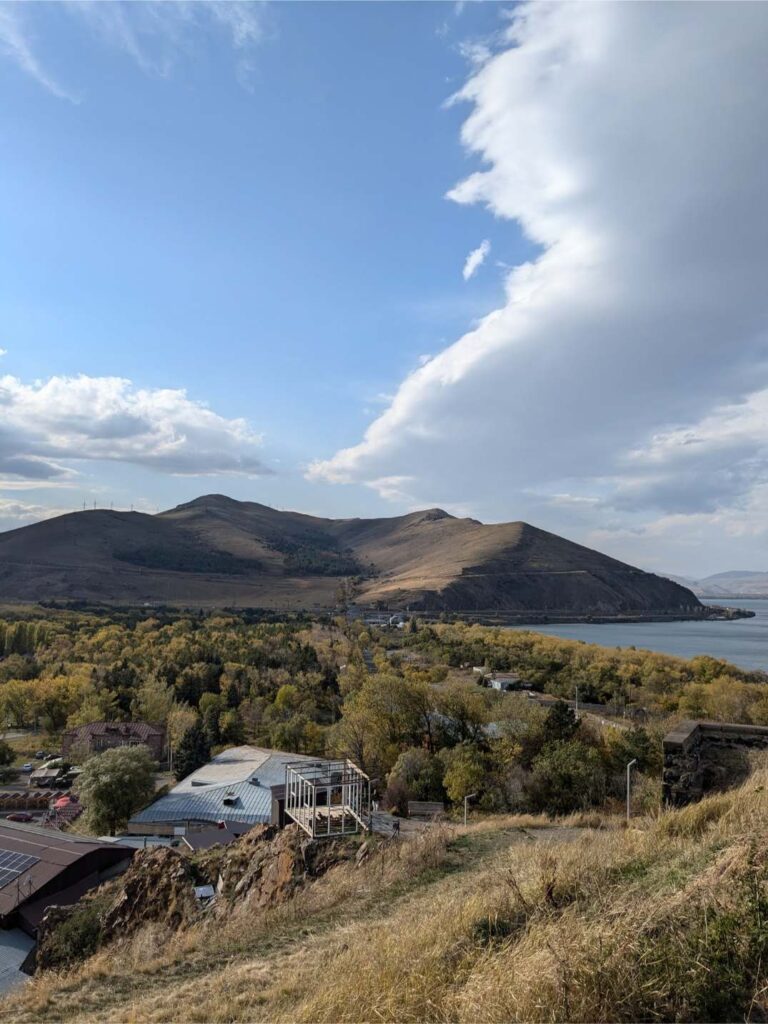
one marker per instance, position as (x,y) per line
(392,702)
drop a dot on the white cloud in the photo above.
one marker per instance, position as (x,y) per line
(476,52)
(48,428)
(622,138)
(476,259)
(16,45)
(19,513)
(155,34)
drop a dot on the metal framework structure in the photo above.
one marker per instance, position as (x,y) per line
(327,798)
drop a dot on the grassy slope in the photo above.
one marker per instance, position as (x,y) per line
(662,922)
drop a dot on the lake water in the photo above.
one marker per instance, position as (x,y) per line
(743,642)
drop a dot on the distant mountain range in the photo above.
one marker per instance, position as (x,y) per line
(739,583)
(215,552)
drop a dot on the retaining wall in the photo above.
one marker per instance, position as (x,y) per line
(700,757)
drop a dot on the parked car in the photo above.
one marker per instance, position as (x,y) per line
(19,816)
(27,768)
(41,755)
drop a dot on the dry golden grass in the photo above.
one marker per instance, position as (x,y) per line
(661,921)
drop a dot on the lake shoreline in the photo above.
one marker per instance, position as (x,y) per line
(738,640)
(719,613)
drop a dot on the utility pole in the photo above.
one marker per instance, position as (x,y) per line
(629,773)
(470,796)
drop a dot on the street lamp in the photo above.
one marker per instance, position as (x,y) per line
(629,770)
(470,796)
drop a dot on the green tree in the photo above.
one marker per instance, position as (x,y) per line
(464,771)
(566,777)
(115,784)
(192,753)
(7,757)
(180,718)
(231,728)
(287,698)
(626,745)
(211,725)
(153,701)
(560,725)
(420,773)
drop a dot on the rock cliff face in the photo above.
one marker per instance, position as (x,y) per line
(216,552)
(158,886)
(267,865)
(263,868)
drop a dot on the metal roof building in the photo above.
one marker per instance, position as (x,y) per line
(241,785)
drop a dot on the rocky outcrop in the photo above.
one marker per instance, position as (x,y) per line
(263,868)
(267,865)
(158,886)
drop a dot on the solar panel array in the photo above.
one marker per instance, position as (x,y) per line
(14,864)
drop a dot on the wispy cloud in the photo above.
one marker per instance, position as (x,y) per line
(16,45)
(476,259)
(155,35)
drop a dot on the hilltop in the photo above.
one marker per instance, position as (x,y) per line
(216,551)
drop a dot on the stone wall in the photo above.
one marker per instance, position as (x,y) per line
(702,757)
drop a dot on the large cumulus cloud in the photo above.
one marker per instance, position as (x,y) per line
(628,141)
(48,427)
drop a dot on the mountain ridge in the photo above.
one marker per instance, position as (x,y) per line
(734,583)
(217,551)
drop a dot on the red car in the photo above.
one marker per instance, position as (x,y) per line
(19,816)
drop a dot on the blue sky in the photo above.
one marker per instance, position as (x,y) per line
(234,253)
(278,244)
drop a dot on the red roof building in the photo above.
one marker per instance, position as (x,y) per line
(98,736)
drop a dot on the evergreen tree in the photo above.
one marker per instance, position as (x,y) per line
(211,725)
(561,724)
(193,752)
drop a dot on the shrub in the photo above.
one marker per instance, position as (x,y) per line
(566,777)
(419,773)
(75,937)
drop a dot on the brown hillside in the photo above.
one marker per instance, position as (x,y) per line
(217,551)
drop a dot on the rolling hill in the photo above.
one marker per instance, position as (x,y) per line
(738,583)
(215,551)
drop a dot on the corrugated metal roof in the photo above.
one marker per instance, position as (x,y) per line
(244,775)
